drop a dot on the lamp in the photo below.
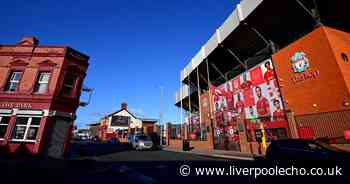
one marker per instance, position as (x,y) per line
(316,107)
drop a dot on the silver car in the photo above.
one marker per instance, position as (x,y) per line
(142,142)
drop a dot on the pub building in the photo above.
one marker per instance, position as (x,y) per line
(40,88)
(261,78)
(121,123)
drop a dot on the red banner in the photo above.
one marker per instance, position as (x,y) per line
(257,76)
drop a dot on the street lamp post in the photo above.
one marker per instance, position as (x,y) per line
(161,115)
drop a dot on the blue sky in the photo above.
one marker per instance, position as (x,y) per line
(134,46)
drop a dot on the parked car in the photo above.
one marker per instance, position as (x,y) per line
(304,150)
(142,142)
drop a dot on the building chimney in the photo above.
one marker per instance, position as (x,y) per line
(124,106)
(29,40)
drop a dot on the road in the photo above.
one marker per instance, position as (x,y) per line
(103,163)
(164,166)
(155,166)
(124,153)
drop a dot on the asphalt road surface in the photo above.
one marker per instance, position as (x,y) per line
(123,152)
(102,163)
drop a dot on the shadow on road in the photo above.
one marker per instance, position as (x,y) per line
(97,149)
(88,170)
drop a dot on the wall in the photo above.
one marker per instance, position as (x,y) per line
(324,90)
(205,108)
(73,66)
(202,145)
(329,124)
(31,66)
(340,43)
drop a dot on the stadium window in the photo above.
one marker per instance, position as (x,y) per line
(344,57)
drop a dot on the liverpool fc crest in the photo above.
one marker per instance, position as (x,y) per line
(300,62)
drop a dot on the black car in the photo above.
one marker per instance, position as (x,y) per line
(305,150)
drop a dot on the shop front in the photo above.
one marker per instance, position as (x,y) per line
(27,128)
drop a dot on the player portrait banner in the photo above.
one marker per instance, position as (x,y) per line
(253,95)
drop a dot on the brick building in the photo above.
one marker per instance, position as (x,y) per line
(269,73)
(40,88)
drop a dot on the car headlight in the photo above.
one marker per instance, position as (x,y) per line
(142,144)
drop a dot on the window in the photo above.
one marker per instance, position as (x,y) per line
(13,81)
(42,84)
(26,129)
(344,57)
(68,85)
(4,121)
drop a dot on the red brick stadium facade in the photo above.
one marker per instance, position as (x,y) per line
(311,79)
(269,73)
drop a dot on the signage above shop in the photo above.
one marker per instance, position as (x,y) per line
(301,67)
(120,121)
(10,105)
